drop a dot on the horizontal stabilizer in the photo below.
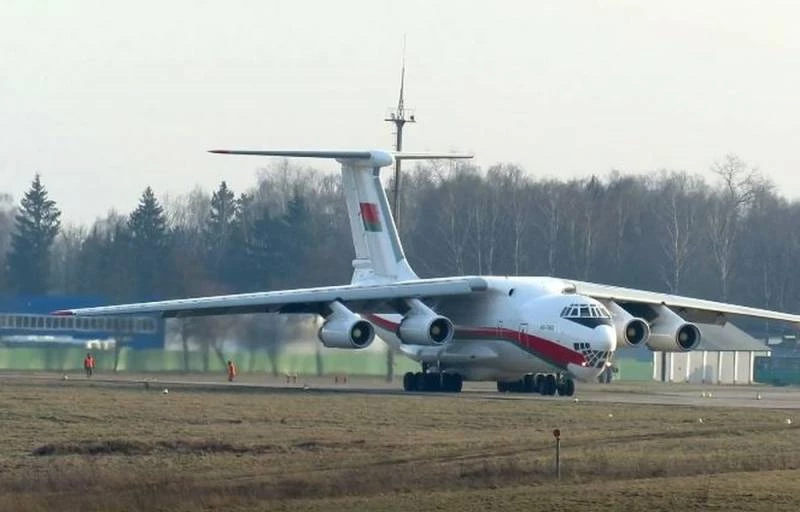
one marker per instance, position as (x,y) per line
(367,158)
(408,155)
(300,153)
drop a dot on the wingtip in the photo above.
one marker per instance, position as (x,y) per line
(63,312)
(218,151)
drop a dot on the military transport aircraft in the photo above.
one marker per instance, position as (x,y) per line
(530,334)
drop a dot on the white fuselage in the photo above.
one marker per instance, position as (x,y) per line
(520,325)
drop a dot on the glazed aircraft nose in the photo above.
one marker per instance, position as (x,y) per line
(604,339)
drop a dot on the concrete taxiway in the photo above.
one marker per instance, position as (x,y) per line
(751,396)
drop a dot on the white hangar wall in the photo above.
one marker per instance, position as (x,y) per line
(706,366)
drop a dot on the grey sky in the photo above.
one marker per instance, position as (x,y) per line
(104,97)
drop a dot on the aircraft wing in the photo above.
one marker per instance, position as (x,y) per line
(699,309)
(358,298)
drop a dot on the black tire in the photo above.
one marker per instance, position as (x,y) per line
(409,382)
(550,384)
(569,387)
(447,382)
(451,382)
(433,382)
(457,383)
(419,380)
(528,384)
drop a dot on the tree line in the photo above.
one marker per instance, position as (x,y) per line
(733,238)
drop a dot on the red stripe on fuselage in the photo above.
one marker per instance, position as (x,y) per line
(545,349)
(383,323)
(540,347)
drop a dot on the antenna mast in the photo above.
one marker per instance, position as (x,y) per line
(399,117)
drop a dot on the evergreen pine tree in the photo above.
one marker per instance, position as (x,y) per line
(36,225)
(220,227)
(147,227)
(295,239)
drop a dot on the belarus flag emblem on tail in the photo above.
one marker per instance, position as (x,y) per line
(370,217)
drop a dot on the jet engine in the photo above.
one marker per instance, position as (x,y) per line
(631,331)
(671,333)
(345,329)
(422,326)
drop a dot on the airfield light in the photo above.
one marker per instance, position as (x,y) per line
(557,435)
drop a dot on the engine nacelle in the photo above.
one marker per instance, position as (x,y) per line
(422,326)
(631,331)
(345,329)
(671,333)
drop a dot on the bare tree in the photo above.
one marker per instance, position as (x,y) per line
(730,202)
(65,260)
(7,211)
(679,200)
(549,198)
(457,216)
(265,331)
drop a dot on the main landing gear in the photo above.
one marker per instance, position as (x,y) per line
(544,384)
(432,381)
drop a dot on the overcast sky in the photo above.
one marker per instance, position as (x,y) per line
(106,97)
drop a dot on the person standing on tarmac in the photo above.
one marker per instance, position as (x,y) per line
(231,371)
(88,364)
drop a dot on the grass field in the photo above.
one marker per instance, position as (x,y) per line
(79,446)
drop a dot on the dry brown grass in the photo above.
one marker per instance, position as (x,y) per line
(76,446)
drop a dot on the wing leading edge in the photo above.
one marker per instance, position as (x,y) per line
(303,300)
(702,306)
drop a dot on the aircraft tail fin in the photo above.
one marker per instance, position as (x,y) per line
(379,252)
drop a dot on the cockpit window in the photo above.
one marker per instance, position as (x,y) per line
(584,311)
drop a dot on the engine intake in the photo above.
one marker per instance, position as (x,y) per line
(671,333)
(422,326)
(631,331)
(345,329)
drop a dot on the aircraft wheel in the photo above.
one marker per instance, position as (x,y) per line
(450,381)
(550,384)
(433,382)
(528,384)
(409,382)
(419,381)
(458,383)
(569,387)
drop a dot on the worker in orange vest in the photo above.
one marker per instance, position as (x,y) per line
(231,371)
(88,364)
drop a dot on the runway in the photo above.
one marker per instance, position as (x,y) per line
(652,393)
